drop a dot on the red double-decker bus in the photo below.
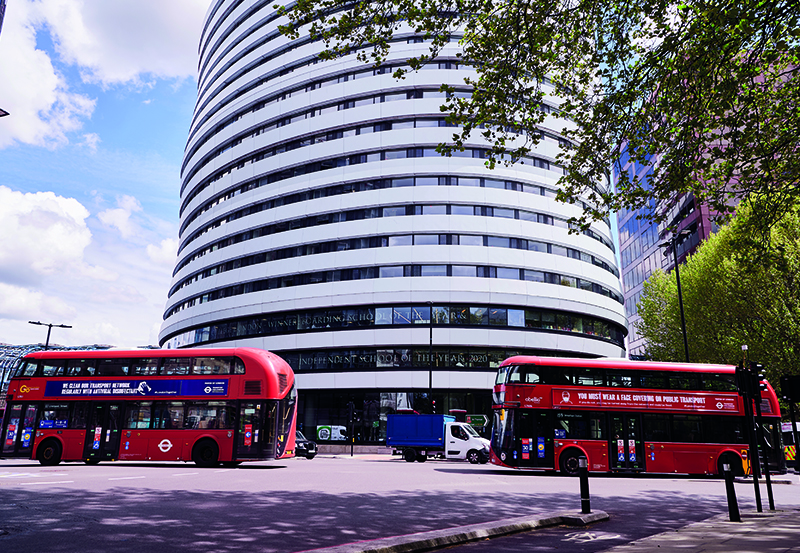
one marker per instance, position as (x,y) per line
(625,416)
(203,405)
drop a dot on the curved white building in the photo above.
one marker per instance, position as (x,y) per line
(317,221)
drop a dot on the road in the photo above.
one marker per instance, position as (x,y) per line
(297,505)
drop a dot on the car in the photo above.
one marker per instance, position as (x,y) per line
(304,448)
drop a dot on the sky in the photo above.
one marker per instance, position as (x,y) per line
(100,95)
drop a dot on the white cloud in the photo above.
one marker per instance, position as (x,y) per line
(91,140)
(120,218)
(119,42)
(127,41)
(164,253)
(45,233)
(21,303)
(43,109)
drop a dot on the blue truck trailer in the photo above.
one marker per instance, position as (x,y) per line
(418,437)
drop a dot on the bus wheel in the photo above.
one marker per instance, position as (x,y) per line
(206,453)
(49,452)
(569,461)
(474,456)
(734,461)
(409,455)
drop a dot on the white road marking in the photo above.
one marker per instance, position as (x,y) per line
(36,483)
(128,478)
(186,474)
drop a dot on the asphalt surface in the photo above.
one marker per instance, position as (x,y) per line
(299,505)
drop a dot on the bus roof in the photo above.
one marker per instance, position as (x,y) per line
(617,363)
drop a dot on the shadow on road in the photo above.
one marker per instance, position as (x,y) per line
(128,520)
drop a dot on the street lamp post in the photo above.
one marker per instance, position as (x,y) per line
(49,328)
(672,243)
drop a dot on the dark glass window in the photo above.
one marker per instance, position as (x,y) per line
(139,415)
(587,377)
(683,381)
(177,365)
(144,367)
(653,379)
(619,379)
(719,382)
(687,428)
(81,367)
(113,367)
(656,428)
(211,365)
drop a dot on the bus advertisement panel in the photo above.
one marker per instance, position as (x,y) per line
(210,406)
(625,416)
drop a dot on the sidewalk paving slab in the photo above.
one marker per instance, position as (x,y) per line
(769,531)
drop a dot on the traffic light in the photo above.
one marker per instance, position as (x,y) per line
(759,377)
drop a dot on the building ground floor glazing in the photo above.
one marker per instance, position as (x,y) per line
(325,415)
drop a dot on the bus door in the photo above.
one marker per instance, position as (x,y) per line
(250,437)
(534,439)
(20,430)
(103,432)
(626,448)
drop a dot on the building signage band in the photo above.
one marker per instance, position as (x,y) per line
(708,403)
(141,388)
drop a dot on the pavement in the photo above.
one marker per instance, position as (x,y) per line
(767,531)
(436,539)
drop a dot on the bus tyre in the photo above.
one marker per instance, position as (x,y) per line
(49,453)
(206,453)
(733,460)
(409,455)
(474,456)
(569,462)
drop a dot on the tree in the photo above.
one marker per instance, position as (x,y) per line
(709,86)
(734,293)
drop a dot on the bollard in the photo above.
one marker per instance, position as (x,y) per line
(583,473)
(733,506)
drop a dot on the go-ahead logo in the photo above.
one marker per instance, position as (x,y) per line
(24,389)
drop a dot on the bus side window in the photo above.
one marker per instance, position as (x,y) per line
(144,367)
(178,365)
(653,379)
(52,368)
(238,366)
(139,415)
(656,427)
(683,381)
(81,367)
(80,412)
(620,379)
(588,377)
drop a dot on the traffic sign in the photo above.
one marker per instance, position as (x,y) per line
(477,420)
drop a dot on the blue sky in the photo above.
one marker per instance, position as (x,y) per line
(100,95)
